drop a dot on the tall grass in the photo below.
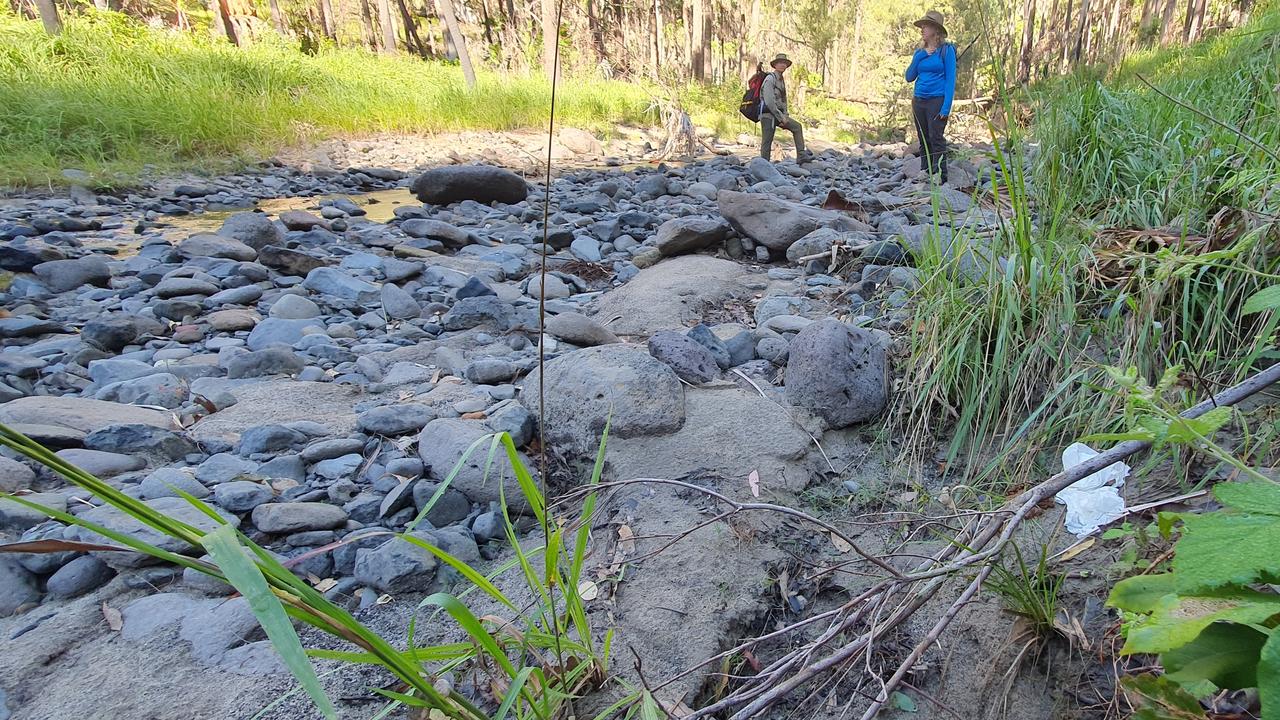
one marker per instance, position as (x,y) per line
(110,94)
(1008,346)
(535,662)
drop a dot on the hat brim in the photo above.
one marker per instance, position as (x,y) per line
(776,63)
(926,21)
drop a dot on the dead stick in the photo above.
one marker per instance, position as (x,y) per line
(1023,503)
(1239,133)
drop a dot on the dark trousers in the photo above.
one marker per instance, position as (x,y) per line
(768,126)
(932,133)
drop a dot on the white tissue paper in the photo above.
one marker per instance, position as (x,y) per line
(1095,500)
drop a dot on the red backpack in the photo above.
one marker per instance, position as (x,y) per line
(750,107)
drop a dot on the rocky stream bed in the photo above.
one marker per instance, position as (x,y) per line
(313,367)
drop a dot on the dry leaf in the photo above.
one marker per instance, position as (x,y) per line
(115,620)
(626,539)
(754,481)
(479,415)
(326,585)
(435,376)
(588,590)
(1076,550)
(907,497)
(383,599)
(282,484)
(840,543)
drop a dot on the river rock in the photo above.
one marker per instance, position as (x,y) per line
(113,332)
(443,443)
(690,234)
(580,142)
(98,463)
(18,587)
(777,223)
(260,363)
(290,261)
(448,235)
(335,283)
(839,373)
(691,361)
(481,183)
(241,496)
(81,575)
(251,228)
(83,414)
(586,387)
(486,310)
(393,420)
(398,304)
(580,330)
(66,275)
(167,482)
(15,476)
(295,517)
(117,521)
(397,566)
(280,331)
(140,439)
(208,245)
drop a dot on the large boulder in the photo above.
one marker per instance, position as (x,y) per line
(580,142)
(445,443)
(298,517)
(839,373)
(335,283)
(481,183)
(689,234)
(449,235)
(777,223)
(580,330)
(115,331)
(621,383)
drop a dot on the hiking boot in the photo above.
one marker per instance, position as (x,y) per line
(806,156)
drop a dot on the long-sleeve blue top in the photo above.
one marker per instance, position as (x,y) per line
(935,74)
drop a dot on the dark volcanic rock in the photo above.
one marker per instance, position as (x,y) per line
(480,183)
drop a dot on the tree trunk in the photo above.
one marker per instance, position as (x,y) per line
(1197,23)
(388,25)
(411,39)
(223,24)
(1028,38)
(700,41)
(597,33)
(660,56)
(49,16)
(366,20)
(550,38)
(488,22)
(277,17)
(1080,33)
(326,19)
(459,42)
(1166,22)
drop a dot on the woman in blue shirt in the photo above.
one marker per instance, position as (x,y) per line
(933,70)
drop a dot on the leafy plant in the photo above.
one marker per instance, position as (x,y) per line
(553,641)
(1213,618)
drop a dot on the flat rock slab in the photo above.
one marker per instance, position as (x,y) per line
(279,402)
(727,431)
(83,414)
(674,293)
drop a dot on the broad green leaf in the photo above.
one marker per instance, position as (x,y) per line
(1184,430)
(1177,620)
(1269,677)
(1142,593)
(246,578)
(1261,498)
(1264,299)
(1220,549)
(1224,654)
(1158,698)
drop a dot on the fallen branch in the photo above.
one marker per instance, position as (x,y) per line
(980,540)
(1239,133)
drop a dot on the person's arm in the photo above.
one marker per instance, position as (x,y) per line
(769,92)
(949,86)
(913,70)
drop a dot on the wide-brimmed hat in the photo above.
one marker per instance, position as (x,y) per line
(780,58)
(933,17)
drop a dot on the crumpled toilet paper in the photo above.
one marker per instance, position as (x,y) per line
(1095,500)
